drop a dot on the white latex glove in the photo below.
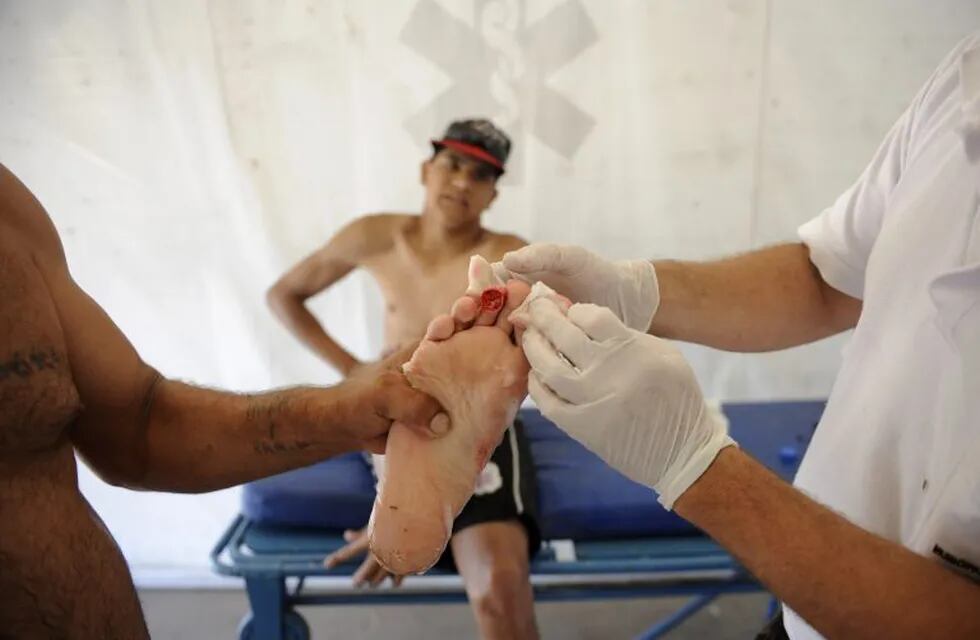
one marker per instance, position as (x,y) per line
(628,396)
(628,287)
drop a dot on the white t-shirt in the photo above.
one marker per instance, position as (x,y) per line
(898,449)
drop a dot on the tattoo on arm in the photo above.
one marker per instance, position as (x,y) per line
(270,447)
(263,413)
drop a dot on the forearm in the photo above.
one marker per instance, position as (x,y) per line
(765,300)
(845,581)
(199,439)
(304,326)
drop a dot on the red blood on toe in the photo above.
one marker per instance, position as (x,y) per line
(493,299)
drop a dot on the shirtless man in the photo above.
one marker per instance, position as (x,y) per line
(71,382)
(420,262)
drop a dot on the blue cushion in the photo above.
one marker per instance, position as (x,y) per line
(335,494)
(579,496)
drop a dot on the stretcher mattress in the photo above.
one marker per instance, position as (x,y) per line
(579,496)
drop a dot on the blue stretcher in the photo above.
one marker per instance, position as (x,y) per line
(605,536)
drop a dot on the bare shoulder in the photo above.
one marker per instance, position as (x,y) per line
(369,235)
(23,217)
(384,223)
(500,243)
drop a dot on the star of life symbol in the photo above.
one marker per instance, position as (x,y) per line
(500,67)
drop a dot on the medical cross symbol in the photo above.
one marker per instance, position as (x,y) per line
(499,69)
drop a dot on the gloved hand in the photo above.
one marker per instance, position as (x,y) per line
(628,396)
(628,287)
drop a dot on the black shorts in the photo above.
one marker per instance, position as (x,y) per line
(774,630)
(505,491)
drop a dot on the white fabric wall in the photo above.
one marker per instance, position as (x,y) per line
(190,151)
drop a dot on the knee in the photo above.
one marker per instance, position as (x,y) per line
(503,590)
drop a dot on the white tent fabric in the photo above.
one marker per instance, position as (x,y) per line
(190,151)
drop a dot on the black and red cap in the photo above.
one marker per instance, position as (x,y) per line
(477,138)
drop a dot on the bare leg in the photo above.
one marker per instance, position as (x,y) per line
(492,559)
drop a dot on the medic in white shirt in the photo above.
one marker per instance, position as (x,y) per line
(881,536)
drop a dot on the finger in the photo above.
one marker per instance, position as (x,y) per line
(338,557)
(379,576)
(599,323)
(550,367)
(517,290)
(355,546)
(567,338)
(365,571)
(397,358)
(376,576)
(548,402)
(403,403)
(440,328)
(439,425)
(535,258)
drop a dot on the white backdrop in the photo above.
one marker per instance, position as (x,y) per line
(190,151)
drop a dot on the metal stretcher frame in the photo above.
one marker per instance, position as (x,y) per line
(634,568)
(275,560)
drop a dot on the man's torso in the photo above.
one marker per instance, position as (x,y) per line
(61,574)
(417,287)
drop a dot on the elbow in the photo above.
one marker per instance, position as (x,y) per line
(279,299)
(137,474)
(130,474)
(274,298)
(142,481)
(841,311)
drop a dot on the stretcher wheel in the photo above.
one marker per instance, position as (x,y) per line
(295,627)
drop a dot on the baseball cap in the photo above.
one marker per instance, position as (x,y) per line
(478,138)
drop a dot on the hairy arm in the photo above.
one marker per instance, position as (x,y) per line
(319,271)
(765,300)
(845,581)
(141,430)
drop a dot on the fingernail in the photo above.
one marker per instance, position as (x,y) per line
(440,424)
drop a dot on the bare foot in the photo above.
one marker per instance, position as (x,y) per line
(470,364)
